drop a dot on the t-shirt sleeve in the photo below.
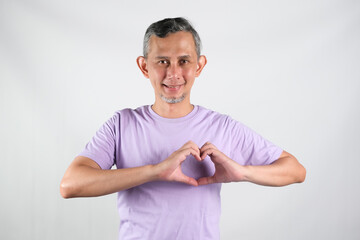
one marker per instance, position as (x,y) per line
(249,148)
(101,148)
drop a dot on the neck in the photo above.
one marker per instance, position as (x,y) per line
(172,110)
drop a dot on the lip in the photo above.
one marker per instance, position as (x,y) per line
(172,88)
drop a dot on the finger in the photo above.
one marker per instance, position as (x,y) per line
(188,180)
(190,144)
(197,155)
(205,144)
(191,151)
(197,150)
(206,180)
(208,144)
(207,152)
(206,147)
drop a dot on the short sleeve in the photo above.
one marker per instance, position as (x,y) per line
(101,148)
(249,148)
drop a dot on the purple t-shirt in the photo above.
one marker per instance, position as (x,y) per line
(171,210)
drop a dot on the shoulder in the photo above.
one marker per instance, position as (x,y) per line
(217,118)
(130,114)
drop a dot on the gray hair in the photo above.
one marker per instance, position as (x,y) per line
(166,26)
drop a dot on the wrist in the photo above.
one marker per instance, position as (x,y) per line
(155,172)
(246,173)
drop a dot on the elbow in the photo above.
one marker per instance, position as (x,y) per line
(301,175)
(66,189)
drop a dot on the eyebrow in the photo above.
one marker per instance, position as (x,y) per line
(161,57)
(180,57)
(184,56)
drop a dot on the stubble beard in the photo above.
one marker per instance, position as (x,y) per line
(173,100)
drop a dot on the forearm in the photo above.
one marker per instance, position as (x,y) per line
(85,178)
(86,181)
(284,171)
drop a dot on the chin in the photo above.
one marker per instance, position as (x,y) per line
(173,100)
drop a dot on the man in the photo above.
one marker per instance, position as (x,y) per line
(172,156)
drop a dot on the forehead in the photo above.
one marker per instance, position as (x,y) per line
(178,43)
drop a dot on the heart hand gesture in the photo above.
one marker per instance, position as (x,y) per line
(170,168)
(226,170)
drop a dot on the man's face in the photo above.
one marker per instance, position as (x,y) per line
(172,66)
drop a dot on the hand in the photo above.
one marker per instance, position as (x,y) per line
(170,168)
(226,169)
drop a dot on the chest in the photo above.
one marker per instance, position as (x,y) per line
(145,144)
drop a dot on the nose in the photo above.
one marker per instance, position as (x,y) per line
(174,72)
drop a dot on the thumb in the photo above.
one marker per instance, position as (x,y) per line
(188,180)
(206,180)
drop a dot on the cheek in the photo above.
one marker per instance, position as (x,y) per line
(157,74)
(189,74)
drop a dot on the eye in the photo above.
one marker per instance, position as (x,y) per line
(163,61)
(183,61)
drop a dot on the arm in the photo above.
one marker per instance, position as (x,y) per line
(284,171)
(85,178)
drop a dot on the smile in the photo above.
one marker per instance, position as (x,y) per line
(173,87)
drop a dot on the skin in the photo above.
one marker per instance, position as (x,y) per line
(172,66)
(172,61)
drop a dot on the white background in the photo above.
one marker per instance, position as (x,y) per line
(290,70)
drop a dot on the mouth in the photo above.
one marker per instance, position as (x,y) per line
(173,87)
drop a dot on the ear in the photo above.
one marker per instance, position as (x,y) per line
(142,64)
(200,65)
